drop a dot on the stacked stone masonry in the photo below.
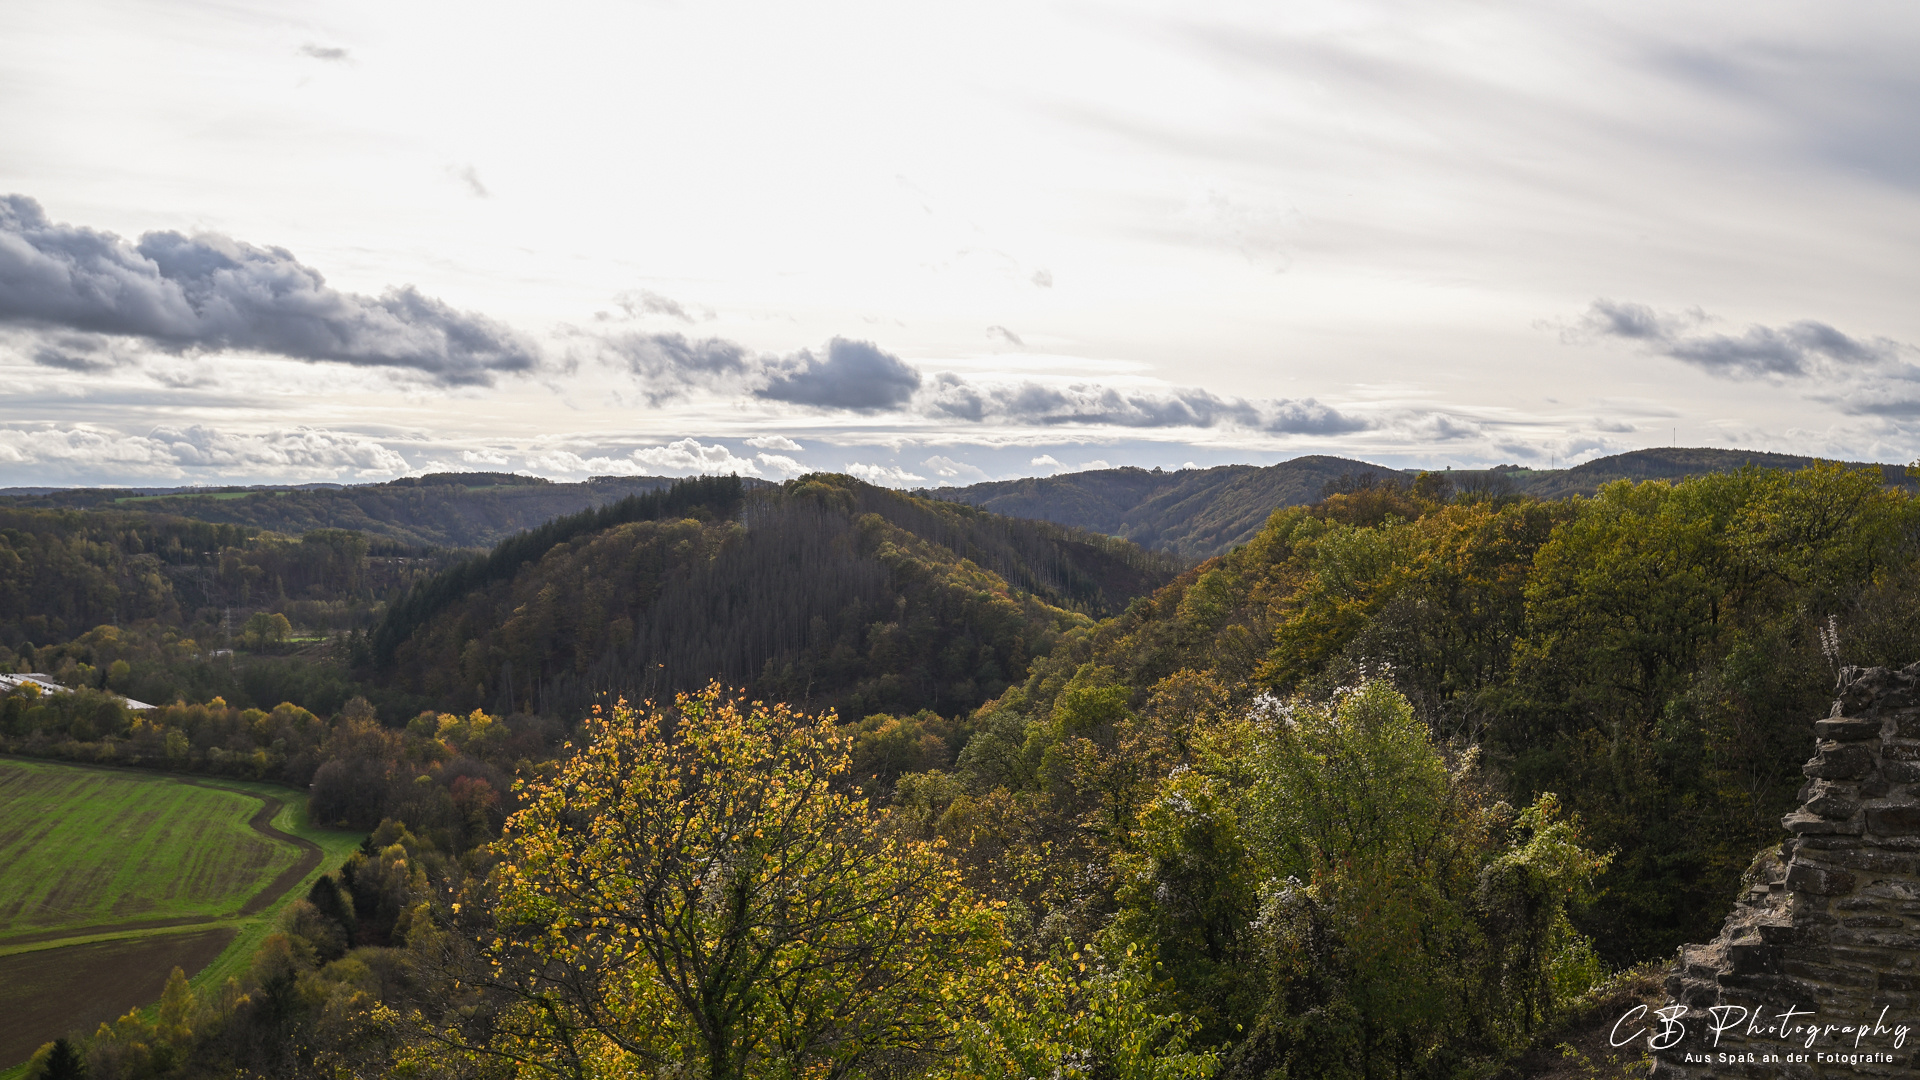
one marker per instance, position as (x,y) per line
(1815,973)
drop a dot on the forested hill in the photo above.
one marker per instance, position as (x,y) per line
(437,510)
(825,591)
(1196,512)
(1202,512)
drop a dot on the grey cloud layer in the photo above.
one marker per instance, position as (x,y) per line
(860,377)
(212,293)
(1797,350)
(854,375)
(1087,403)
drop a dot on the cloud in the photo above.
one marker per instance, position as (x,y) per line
(1047,461)
(683,457)
(331,53)
(949,470)
(668,365)
(687,456)
(1439,427)
(640,303)
(1005,335)
(1797,350)
(1089,403)
(1043,278)
(884,475)
(483,457)
(209,293)
(774,442)
(855,376)
(470,176)
(88,454)
(782,464)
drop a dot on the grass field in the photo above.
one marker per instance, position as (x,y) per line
(110,878)
(82,848)
(221,496)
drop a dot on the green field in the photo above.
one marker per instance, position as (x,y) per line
(221,496)
(82,848)
(109,878)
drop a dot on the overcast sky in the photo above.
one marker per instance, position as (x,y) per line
(294,241)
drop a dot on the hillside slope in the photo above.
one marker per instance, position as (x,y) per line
(1195,512)
(825,591)
(1204,512)
(439,510)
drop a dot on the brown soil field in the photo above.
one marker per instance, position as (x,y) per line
(44,994)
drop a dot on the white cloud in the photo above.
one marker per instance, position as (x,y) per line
(1096,463)
(483,457)
(1046,461)
(566,463)
(774,442)
(884,475)
(687,456)
(949,470)
(85,453)
(782,464)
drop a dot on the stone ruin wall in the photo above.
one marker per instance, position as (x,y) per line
(1832,928)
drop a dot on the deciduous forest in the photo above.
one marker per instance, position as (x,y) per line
(825,780)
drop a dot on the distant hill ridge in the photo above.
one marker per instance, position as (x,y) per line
(455,510)
(1203,512)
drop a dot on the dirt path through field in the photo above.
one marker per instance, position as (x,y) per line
(262,822)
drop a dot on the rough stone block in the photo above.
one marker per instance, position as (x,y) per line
(1833,806)
(1801,823)
(1817,842)
(1873,922)
(1876,939)
(1878,862)
(1753,958)
(1900,752)
(1894,820)
(1901,772)
(1780,934)
(1841,763)
(1846,730)
(1803,877)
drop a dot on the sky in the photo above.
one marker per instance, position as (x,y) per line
(929,244)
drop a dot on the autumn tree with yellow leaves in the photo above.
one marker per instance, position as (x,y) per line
(689,891)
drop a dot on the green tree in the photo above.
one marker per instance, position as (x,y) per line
(1403,927)
(63,1062)
(689,889)
(1075,1015)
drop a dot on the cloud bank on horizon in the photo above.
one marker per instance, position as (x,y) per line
(1146,233)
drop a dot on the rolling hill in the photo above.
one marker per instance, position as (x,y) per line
(437,510)
(1202,512)
(825,591)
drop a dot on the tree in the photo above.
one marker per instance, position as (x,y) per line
(265,629)
(1403,925)
(690,890)
(63,1062)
